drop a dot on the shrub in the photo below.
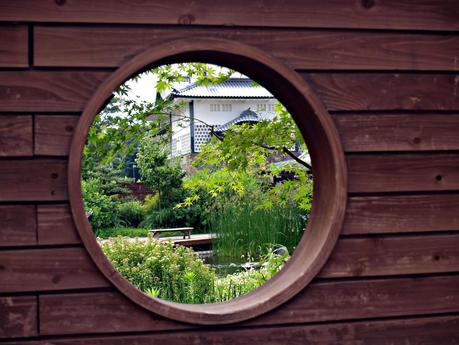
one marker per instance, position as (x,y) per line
(174,274)
(241,283)
(131,213)
(100,206)
(177,274)
(129,232)
(109,180)
(172,216)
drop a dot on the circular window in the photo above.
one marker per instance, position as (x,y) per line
(330,184)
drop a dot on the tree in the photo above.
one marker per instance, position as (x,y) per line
(248,149)
(163,175)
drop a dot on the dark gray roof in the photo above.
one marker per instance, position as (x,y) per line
(247,115)
(231,88)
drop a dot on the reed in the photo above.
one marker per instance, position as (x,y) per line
(246,231)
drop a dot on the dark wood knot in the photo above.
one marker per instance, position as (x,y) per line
(186,19)
(367,4)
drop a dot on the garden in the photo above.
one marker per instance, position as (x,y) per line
(246,189)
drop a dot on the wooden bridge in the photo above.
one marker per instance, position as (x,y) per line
(194,240)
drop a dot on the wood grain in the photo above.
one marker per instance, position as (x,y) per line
(71,268)
(404,132)
(70,91)
(16,136)
(53,134)
(59,314)
(55,225)
(33,180)
(98,312)
(14,50)
(413,331)
(408,213)
(18,316)
(48,270)
(33,91)
(386,91)
(368,298)
(111,46)
(403,172)
(387,14)
(380,256)
(18,225)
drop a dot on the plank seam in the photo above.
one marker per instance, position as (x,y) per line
(113,335)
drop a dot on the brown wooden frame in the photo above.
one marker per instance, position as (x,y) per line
(330,182)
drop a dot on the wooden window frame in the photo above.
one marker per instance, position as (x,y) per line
(330,177)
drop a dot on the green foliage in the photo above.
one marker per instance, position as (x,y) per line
(174,274)
(162,174)
(100,206)
(195,216)
(177,274)
(241,283)
(108,180)
(244,230)
(129,232)
(131,213)
(124,123)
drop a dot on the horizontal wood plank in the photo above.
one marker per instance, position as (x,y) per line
(407,213)
(53,134)
(18,225)
(16,136)
(366,299)
(55,225)
(56,269)
(429,330)
(71,90)
(428,15)
(403,172)
(98,312)
(414,331)
(18,317)
(111,46)
(47,91)
(33,180)
(47,270)
(404,132)
(59,314)
(379,256)
(385,91)
(14,46)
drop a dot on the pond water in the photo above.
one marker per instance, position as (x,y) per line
(225,265)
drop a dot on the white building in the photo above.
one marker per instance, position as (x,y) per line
(233,101)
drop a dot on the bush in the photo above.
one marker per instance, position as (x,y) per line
(177,274)
(172,216)
(129,232)
(174,274)
(131,213)
(100,206)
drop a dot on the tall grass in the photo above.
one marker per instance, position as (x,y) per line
(243,230)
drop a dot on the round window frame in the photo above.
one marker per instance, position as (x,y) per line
(330,177)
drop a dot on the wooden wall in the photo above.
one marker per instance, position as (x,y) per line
(387,71)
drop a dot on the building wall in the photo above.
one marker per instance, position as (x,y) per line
(211,112)
(387,73)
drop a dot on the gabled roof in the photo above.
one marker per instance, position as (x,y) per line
(247,115)
(231,88)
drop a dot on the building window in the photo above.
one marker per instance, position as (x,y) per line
(221,107)
(261,107)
